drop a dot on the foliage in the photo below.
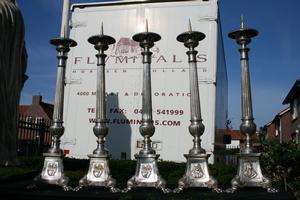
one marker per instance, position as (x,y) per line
(122,170)
(27,165)
(171,172)
(223,173)
(282,163)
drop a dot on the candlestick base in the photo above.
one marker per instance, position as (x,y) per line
(147,174)
(250,174)
(53,171)
(197,174)
(98,174)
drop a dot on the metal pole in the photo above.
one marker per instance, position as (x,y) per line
(53,169)
(65,18)
(62,49)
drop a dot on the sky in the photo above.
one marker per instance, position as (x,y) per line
(274,53)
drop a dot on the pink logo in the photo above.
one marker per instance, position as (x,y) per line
(128,46)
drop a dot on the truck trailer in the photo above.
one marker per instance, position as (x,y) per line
(169,76)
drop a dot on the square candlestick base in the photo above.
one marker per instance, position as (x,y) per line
(53,171)
(250,174)
(197,174)
(147,174)
(98,174)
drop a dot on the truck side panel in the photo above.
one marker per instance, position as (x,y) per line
(170,81)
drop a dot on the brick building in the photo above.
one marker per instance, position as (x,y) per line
(235,138)
(293,99)
(38,109)
(285,126)
(34,137)
(280,127)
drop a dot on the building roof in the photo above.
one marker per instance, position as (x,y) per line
(278,115)
(235,134)
(38,108)
(293,93)
(23,109)
(48,108)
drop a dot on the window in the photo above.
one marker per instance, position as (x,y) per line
(29,121)
(278,129)
(294,109)
(295,137)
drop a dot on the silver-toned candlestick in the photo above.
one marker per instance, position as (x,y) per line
(99,173)
(196,174)
(147,174)
(249,170)
(53,170)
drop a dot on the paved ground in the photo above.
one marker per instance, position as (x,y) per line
(18,189)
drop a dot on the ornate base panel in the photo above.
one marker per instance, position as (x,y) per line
(147,174)
(197,174)
(98,174)
(53,171)
(250,174)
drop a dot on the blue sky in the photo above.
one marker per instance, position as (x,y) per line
(274,54)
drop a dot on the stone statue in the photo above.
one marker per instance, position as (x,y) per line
(13,63)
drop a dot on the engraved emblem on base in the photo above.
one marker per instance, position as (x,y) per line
(250,174)
(99,173)
(196,174)
(53,169)
(53,172)
(249,171)
(146,174)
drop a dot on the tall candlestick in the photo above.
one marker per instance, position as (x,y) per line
(99,172)
(53,171)
(249,170)
(147,174)
(196,174)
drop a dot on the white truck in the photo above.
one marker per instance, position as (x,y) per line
(170,77)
